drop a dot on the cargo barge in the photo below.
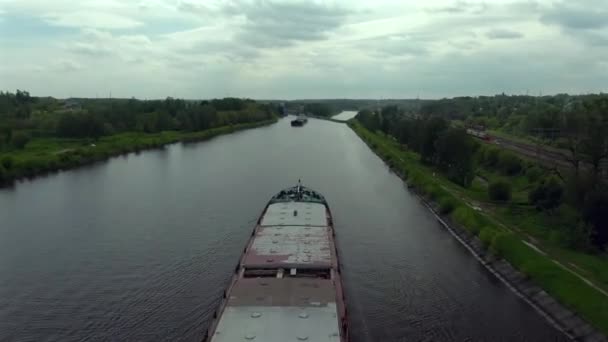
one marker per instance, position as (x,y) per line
(287,285)
(300,120)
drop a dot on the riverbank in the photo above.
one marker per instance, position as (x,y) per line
(493,242)
(45,155)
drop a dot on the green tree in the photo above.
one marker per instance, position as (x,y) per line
(595,146)
(547,195)
(318,109)
(499,191)
(455,156)
(369,119)
(389,116)
(3,174)
(6,133)
(509,163)
(229,104)
(574,128)
(579,236)
(22,96)
(80,125)
(20,139)
(491,156)
(7,162)
(431,131)
(534,173)
(596,213)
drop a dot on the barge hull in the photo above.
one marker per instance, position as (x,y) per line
(287,285)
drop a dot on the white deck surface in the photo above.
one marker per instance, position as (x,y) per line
(278,324)
(312,214)
(291,245)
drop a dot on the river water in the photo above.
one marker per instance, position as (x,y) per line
(345,115)
(140,248)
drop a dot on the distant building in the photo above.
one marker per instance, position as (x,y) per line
(72,104)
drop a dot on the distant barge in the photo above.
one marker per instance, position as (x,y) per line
(287,285)
(300,120)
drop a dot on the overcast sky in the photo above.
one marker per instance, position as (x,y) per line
(302,49)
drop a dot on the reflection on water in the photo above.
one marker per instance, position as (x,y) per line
(345,115)
(141,247)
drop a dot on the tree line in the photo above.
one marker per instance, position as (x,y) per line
(546,117)
(457,155)
(23,116)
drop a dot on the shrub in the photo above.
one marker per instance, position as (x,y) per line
(466,217)
(499,191)
(486,235)
(20,139)
(577,236)
(3,174)
(576,188)
(490,156)
(433,191)
(595,212)
(416,179)
(31,167)
(7,162)
(534,173)
(509,163)
(547,195)
(446,205)
(497,244)
(52,164)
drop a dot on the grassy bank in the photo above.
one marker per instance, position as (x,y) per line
(44,155)
(492,228)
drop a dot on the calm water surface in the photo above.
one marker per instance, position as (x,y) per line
(345,115)
(140,248)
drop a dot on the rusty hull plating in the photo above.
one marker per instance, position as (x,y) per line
(287,286)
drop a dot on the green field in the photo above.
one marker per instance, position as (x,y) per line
(502,227)
(42,155)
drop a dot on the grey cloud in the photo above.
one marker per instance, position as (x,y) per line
(96,43)
(224,48)
(420,42)
(503,34)
(135,60)
(449,9)
(66,65)
(193,7)
(464,45)
(596,39)
(584,20)
(523,7)
(496,16)
(591,38)
(91,19)
(580,15)
(88,49)
(438,56)
(397,45)
(460,7)
(271,23)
